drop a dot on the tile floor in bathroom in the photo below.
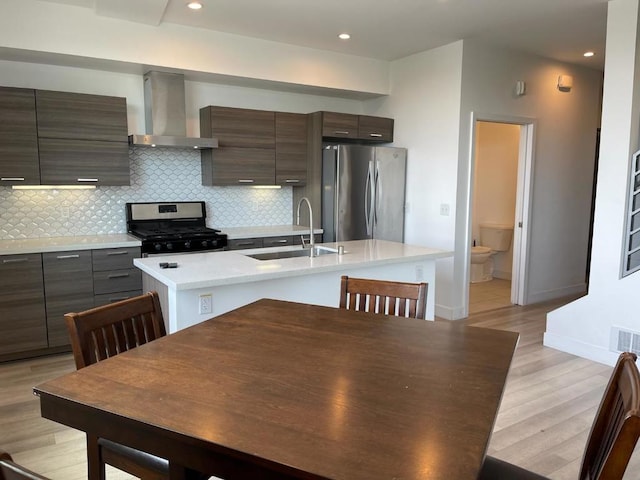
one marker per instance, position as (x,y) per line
(489,295)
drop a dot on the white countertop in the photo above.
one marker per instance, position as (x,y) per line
(201,270)
(270,231)
(65,244)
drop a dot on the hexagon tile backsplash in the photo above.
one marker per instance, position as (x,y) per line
(157,175)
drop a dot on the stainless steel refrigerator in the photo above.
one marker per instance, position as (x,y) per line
(363,192)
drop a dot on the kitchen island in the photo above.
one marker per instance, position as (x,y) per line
(204,285)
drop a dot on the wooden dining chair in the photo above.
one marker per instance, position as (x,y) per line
(9,470)
(382,296)
(613,436)
(104,332)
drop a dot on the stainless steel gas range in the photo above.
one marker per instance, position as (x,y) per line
(172,227)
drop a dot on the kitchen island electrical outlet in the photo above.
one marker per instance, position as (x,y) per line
(419,273)
(444,209)
(205,303)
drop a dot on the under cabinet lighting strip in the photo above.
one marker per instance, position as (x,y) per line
(53,187)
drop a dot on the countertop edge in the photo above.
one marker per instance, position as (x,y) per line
(295,271)
(65,244)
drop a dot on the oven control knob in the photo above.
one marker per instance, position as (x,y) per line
(187,244)
(157,246)
(205,243)
(169,246)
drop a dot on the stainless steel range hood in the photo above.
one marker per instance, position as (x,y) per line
(165,117)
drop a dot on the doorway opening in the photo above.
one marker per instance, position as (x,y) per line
(499,202)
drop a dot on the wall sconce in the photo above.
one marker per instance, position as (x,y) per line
(565,83)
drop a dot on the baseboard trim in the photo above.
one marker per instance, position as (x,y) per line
(538,297)
(581,349)
(502,275)
(449,313)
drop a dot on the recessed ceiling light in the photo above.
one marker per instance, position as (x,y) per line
(194,5)
(344,36)
(588,54)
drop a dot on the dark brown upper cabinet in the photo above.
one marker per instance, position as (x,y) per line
(82,139)
(362,128)
(376,129)
(18,137)
(238,127)
(291,148)
(83,162)
(80,116)
(246,153)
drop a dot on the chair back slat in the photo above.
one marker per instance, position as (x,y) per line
(383,297)
(106,331)
(616,428)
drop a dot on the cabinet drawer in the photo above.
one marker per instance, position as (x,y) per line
(239,166)
(107,298)
(375,128)
(117,281)
(114,258)
(239,127)
(339,125)
(83,162)
(244,243)
(277,241)
(81,116)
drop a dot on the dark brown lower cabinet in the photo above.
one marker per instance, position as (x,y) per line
(68,286)
(23,324)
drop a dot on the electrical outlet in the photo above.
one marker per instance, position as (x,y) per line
(444,209)
(419,273)
(205,303)
(65,212)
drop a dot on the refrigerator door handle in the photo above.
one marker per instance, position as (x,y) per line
(377,187)
(369,200)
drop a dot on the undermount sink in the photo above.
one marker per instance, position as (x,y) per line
(292,253)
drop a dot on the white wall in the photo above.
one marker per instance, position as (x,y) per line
(583,327)
(425,102)
(38,26)
(564,150)
(494,184)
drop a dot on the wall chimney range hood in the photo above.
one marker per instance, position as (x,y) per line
(165,117)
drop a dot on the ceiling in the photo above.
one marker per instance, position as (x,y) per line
(387,30)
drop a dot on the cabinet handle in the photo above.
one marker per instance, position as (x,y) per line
(376,135)
(66,257)
(292,180)
(12,179)
(121,252)
(244,244)
(15,260)
(341,132)
(280,241)
(92,180)
(245,181)
(117,275)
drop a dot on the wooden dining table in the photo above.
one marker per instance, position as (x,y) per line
(285,390)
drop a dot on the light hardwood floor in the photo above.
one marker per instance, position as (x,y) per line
(490,295)
(546,413)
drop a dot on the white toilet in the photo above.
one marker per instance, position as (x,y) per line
(493,239)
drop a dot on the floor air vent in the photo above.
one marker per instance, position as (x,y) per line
(625,340)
